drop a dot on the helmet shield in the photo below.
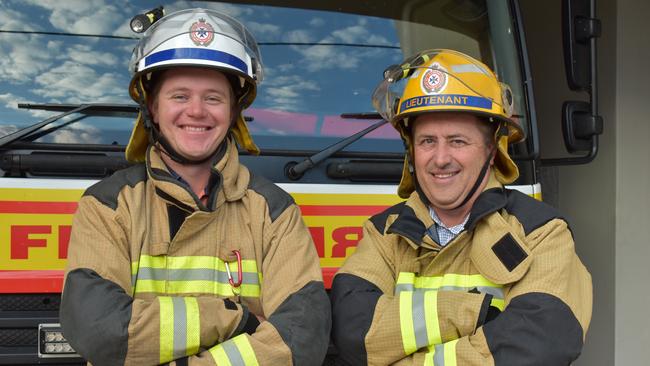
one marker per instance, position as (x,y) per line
(447,81)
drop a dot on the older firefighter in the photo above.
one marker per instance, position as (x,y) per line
(465,272)
(188,258)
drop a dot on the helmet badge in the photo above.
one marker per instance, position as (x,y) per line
(434,79)
(201,33)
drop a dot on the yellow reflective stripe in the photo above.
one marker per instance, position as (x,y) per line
(450,353)
(407,281)
(441,354)
(192,287)
(193,326)
(406,322)
(188,262)
(431,317)
(166,314)
(194,274)
(498,303)
(219,356)
(246,350)
(234,352)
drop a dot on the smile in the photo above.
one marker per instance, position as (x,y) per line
(195,128)
(444,175)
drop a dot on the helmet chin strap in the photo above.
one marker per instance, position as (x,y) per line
(155,137)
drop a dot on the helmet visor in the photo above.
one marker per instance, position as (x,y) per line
(388,95)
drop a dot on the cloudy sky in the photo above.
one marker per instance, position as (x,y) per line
(308,80)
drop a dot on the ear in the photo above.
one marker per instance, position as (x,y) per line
(152,105)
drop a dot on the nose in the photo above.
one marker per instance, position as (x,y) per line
(441,156)
(195,108)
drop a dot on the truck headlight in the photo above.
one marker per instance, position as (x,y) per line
(52,343)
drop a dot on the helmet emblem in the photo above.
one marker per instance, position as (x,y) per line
(201,33)
(434,79)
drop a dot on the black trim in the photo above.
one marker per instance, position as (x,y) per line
(248,323)
(535,329)
(408,225)
(304,321)
(107,190)
(95,315)
(164,195)
(488,201)
(353,306)
(229,304)
(531,213)
(182,362)
(485,309)
(176,218)
(379,220)
(509,252)
(277,199)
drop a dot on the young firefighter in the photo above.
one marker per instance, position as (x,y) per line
(188,258)
(465,272)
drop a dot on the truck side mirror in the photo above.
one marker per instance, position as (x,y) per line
(581,123)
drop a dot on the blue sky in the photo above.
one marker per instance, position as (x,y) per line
(321,80)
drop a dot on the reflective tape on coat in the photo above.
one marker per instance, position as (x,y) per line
(441,354)
(419,319)
(180,327)
(193,274)
(408,281)
(234,352)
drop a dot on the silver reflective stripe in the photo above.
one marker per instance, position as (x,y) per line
(403,287)
(467,68)
(180,327)
(497,293)
(163,274)
(419,320)
(233,354)
(439,355)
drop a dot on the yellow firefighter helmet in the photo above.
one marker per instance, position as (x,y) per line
(447,81)
(200,38)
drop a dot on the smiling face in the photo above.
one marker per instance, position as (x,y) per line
(449,152)
(193,109)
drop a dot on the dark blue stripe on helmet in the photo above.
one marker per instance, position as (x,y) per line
(446,100)
(198,54)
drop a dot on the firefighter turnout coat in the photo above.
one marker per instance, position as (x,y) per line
(508,290)
(153,274)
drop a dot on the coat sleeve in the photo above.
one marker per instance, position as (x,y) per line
(104,323)
(546,315)
(372,325)
(294,299)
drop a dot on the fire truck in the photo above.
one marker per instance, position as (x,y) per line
(66,116)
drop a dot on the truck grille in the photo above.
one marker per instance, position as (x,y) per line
(18,337)
(30,302)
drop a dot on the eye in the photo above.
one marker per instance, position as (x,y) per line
(425,141)
(458,142)
(214,99)
(179,97)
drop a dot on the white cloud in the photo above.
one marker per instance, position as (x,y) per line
(298,36)
(74,83)
(7,129)
(286,92)
(84,54)
(82,16)
(20,64)
(317,22)
(268,31)
(79,133)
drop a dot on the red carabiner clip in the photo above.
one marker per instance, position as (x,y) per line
(240,273)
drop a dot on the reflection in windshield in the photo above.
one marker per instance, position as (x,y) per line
(318,65)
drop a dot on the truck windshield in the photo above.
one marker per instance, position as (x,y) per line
(321,60)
